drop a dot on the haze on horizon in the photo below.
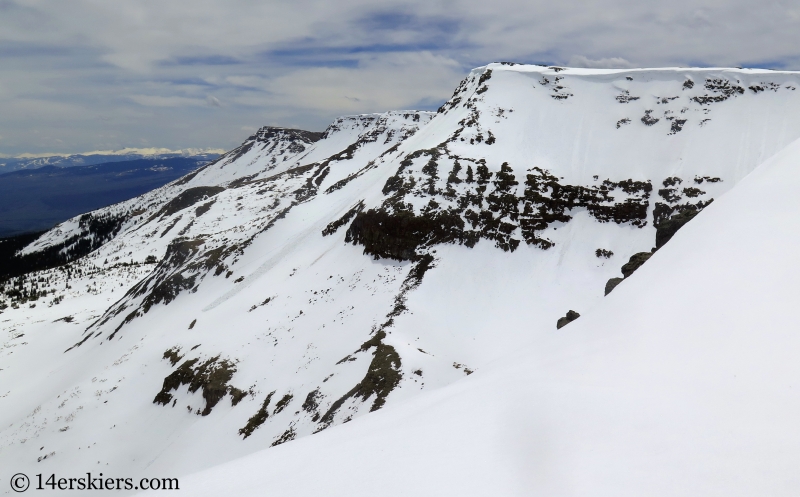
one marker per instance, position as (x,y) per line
(83,75)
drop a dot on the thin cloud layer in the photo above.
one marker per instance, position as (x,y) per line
(88,74)
(607,63)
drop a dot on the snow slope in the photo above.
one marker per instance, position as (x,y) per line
(304,280)
(684,382)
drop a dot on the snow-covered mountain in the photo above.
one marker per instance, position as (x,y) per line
(303,280)
(684,382)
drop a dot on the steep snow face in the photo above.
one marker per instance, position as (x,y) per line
(266,150)
(643,123)
(302,281)
(182,240)
(683,382)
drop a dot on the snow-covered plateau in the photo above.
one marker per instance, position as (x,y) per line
(226,328)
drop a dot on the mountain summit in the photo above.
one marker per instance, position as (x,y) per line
(304,280)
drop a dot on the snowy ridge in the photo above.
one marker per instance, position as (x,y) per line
(303,280)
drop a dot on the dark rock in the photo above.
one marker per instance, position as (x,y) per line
(671,195)
(722,90)
(625,97)
(188,198)
(677,126)
(487,207)
(603,253)
(258,418)
(397,235)
(570,317)
(667,229)
(612,284)
(212,377)
(648,119)
(335,225)
(635,262)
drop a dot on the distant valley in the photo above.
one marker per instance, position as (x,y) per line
(37,199)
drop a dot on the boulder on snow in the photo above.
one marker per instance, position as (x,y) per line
(666,229)
(612,284)
(570,317)
(635,262)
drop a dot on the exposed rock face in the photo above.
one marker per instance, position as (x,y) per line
(612,284)
(667,229)
(635,262)
(570,317)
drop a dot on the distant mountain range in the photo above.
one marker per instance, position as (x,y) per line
(8,165)
(37,197)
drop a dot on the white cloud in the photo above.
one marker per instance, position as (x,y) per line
(389,81)
(125,151)
(159,101)
(250,81)
(607,63)
(188,73)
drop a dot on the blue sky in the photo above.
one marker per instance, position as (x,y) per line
(81,75)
